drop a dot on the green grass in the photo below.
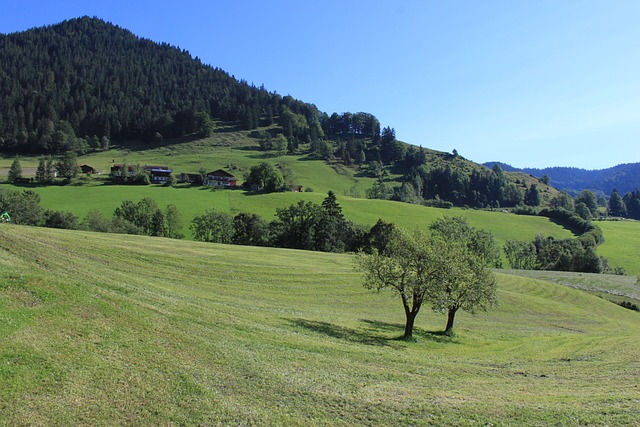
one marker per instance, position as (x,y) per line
(615,288)
(236,150)
(102,329)
(622,244)
(195,200)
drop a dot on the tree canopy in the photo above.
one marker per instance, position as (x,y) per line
(448,271)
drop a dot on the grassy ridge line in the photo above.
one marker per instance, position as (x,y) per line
(621,287)
(112,329)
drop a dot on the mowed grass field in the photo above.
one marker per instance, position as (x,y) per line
(102,329)
(615,288)
(622,244)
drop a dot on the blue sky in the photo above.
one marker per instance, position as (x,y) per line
(530,83)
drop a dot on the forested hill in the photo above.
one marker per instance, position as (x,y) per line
(77,85)
(105,81)
(623,178)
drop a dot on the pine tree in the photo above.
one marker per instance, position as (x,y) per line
(617,206)
(331,208)
(15,172)
(41,171)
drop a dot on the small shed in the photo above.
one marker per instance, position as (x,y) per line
(87,169)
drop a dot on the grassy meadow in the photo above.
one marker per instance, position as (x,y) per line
(622,244)
(102,329)
(237,150)
(614,288)
(191,201)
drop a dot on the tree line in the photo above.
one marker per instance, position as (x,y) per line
(452,184)
(548,253)
(144,217)
(625,207)
(303,225)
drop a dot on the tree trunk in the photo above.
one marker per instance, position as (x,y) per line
(450,319)
(408,328)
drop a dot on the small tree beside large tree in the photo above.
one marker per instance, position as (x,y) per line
(467,281)
(448,267)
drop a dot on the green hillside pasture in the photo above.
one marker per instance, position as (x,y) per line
(230,149)
(102,329)
(503,225)
(195,200)
(622,244)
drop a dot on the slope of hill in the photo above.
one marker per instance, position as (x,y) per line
(80,84)
(237,151)
(110,329)
(105,81)
(623,178)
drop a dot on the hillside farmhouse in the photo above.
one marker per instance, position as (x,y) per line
(157,174)
(221,179)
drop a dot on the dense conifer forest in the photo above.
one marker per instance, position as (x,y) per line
(96,79)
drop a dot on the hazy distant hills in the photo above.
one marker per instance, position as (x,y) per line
(624,177)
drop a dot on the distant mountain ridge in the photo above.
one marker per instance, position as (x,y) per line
(623,178)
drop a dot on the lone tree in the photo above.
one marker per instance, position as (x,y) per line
(410,265)
(67,166)
(266,177)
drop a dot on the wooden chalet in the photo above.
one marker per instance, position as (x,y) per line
(158,174)
(221,179)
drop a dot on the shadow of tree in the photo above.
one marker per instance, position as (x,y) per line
(347,334)
(435,336)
